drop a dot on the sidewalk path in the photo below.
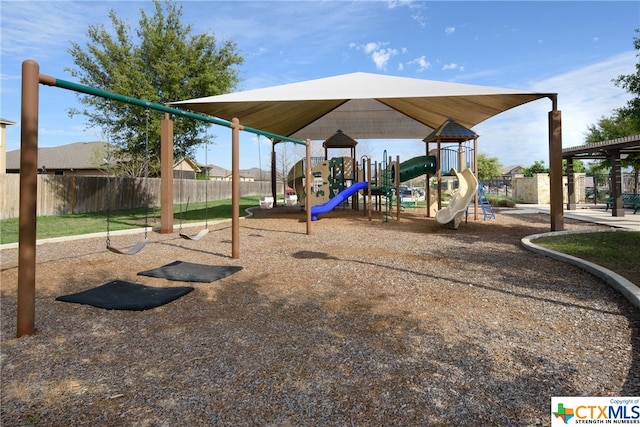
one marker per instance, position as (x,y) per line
(590,213)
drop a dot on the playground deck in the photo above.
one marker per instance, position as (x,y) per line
(362,322)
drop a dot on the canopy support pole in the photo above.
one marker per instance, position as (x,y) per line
(616,184)
(555,166)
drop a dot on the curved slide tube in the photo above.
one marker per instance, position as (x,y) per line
(337,199)
(467,187)
(416,167)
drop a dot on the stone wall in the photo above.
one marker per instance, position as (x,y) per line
(536,189)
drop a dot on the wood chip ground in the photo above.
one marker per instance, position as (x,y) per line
(361,323)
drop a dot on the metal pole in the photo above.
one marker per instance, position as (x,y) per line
(475,170)
(166,175)
(235,188)
(274,175)
(307,185)
(28,199)
(369,187)
(398,195)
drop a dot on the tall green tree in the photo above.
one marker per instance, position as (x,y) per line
(615,126)
(631,83)
(488,167)
(164,62)
(624,121)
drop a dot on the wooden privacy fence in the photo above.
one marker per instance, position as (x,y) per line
(81,194)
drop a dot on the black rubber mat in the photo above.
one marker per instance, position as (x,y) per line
(122,295)
(191,272)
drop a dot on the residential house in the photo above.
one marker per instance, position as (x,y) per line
(186,168)
(3,143)
(216,173)
(509,172)
(79,158)
(85,159)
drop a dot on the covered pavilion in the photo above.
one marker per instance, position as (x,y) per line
(615,150)
(373,106)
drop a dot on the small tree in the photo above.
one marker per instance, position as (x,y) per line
(578,166)
(537,167)
(488,167)
(165,62)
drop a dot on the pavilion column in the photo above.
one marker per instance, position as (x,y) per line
(616,184)
(571,185)
(555,167)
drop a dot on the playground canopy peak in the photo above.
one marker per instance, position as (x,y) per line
(364,105)
(451,131)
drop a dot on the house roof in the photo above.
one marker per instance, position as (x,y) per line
(79,155)
(366,106)
(6,122)
(508,170)
(185,160)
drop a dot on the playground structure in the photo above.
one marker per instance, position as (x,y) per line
(336,178)
(458,205)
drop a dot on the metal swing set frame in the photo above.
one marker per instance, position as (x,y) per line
(31,80)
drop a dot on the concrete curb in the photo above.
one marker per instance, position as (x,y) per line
(622,285)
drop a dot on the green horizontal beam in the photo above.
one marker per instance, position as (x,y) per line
(64,84)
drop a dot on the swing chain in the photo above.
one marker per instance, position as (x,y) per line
(108,202)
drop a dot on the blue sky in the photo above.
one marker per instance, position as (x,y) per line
(573,48)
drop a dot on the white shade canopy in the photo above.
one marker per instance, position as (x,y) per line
(363,105)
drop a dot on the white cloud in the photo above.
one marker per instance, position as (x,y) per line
(381,57)
(378,53)
(450,30)
(392,4)
(453,66)
(39,29)
(422,63)
(372,47)
(520,135)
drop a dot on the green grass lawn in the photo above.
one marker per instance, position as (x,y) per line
(616,251)
(96,222)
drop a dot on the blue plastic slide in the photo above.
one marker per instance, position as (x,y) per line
(337,199)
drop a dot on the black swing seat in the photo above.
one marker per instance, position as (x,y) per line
(198,236)
(132,250)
